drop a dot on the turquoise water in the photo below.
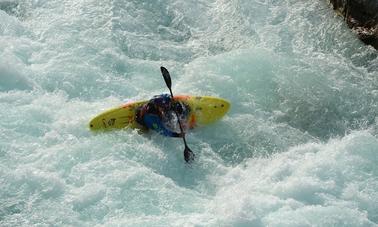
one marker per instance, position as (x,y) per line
(298,148)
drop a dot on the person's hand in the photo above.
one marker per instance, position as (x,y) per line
(177,107)
(181,134)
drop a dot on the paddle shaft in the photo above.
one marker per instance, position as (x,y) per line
(178,119)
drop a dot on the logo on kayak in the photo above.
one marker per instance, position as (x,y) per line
(110,122)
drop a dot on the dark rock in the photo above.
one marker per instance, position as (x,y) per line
(361,16)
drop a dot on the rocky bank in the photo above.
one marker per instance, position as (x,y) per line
(361,16)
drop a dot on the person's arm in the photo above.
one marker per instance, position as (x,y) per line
(152,121)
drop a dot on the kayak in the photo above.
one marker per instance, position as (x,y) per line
(204,110)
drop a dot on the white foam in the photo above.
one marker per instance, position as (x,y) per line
(294,74)
(301,185)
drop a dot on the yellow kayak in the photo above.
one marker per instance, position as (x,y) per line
(203,110)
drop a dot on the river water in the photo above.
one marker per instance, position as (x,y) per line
(299,146)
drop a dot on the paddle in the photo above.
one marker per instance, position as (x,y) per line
(188,154)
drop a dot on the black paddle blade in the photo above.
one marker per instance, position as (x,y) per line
(166,76)
(188,155)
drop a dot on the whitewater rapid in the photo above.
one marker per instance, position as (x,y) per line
(299,146)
